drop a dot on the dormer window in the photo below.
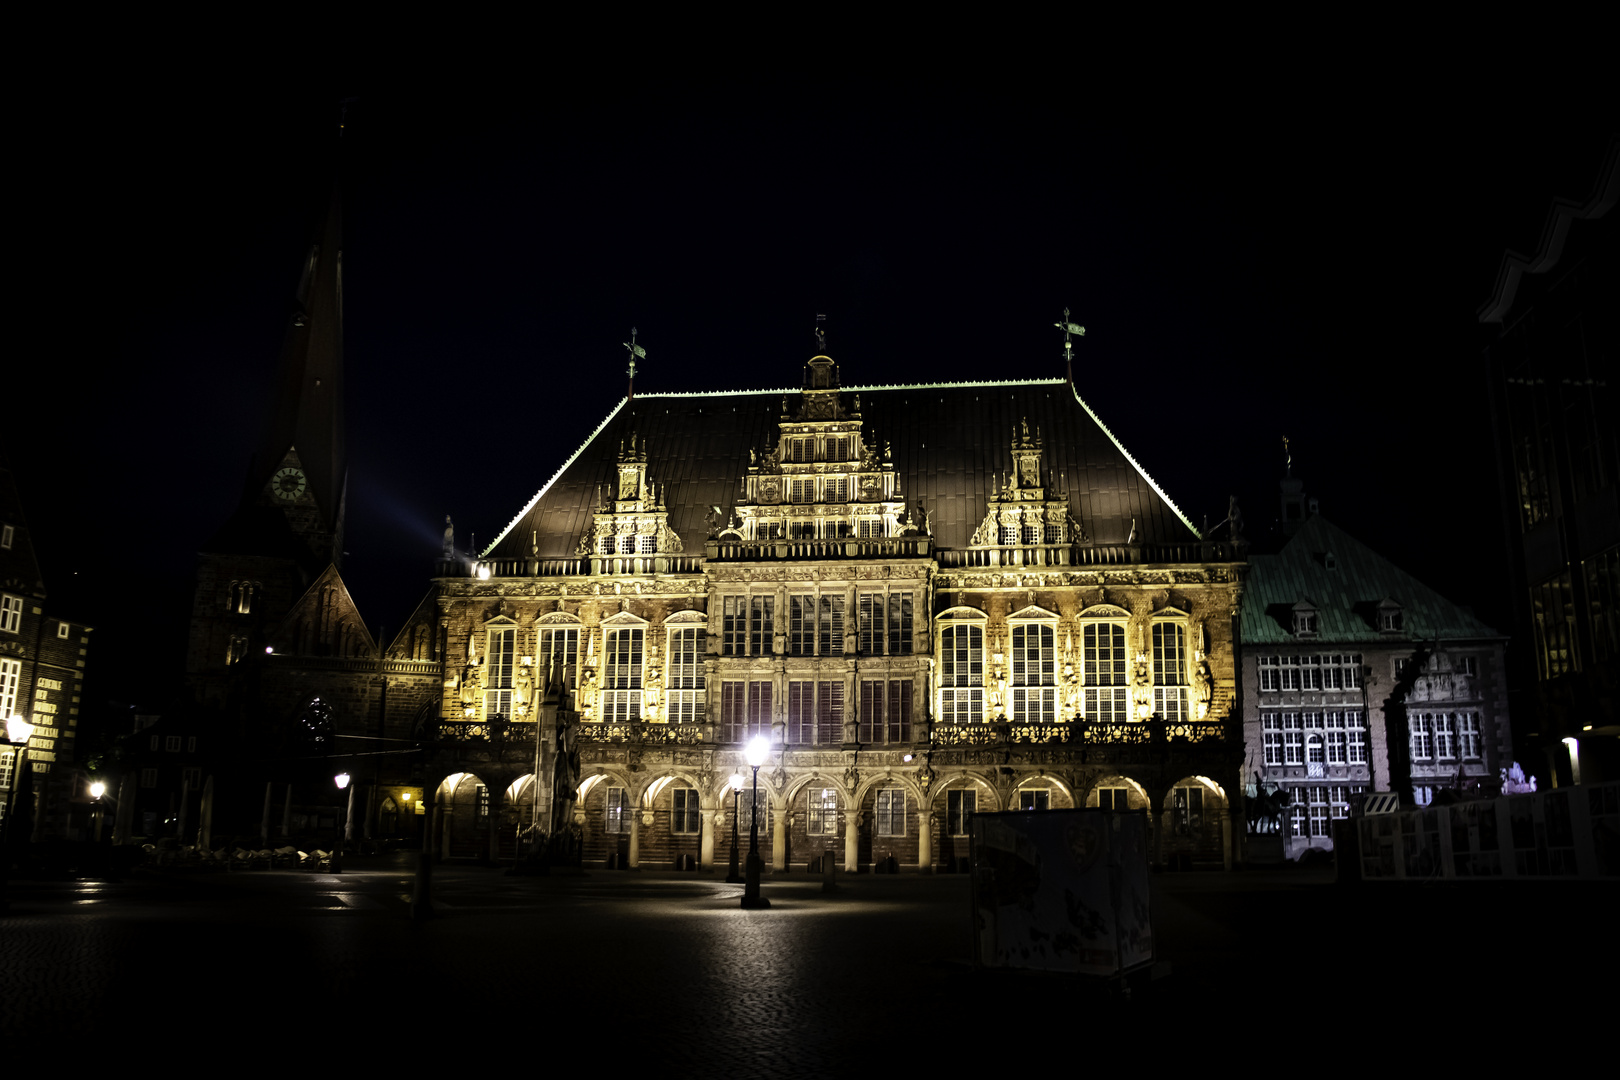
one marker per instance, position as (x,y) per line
(1329,562)
(1305,621)
(1389,618)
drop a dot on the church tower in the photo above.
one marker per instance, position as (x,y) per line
(281,549)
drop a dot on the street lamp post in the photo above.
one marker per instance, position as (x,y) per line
(97,790)
(342,782)
(758,748)
(734,877)
(18,732)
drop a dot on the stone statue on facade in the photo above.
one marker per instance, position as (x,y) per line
(449,538)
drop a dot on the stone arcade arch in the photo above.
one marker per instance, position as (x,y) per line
(1196,823)
(944,823)
(884,832)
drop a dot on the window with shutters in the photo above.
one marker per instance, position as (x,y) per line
(886,711)
(816,712)
(745,711)
(885,624)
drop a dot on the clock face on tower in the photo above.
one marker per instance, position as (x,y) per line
(288,484)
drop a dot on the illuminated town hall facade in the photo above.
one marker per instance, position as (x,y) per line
(933,600)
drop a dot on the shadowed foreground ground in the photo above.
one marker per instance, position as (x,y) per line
(664,967)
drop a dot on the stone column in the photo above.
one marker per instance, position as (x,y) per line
(925,840)
(852,841)
(779,841)
(706,843)
(635,838)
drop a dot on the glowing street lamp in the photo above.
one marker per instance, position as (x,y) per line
(342,782)
(758,749)
(18,732)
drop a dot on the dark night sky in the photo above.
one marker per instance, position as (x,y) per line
(1252,258)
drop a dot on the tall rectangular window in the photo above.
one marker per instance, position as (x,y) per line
(1445,741)
(1034,674)
(10,613)
(885,624)
(1468,736)
(1422,732)
(618,810)
(498,662)
(1170,671)
(821,812)
(559,656)
(10,680)
(745,711)
(1034,799)
(801,625)
(959,807)
(816,712)
(622,668)
(1103,656)
(683,677)
(761,624)
(961,674)
(830,626)
(1272,737)
(684,818)
(891,812)
(886,711)
(734,626)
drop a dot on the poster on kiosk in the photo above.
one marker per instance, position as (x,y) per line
(1061,890)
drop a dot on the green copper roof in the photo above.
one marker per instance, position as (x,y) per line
(1346,597)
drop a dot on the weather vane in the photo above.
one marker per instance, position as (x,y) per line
(1069,330)
(1288,457)
(636,352)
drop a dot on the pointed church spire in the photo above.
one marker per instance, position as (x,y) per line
(302,461)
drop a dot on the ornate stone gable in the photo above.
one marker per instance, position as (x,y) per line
(822,479)
(1020,511)
(634,519)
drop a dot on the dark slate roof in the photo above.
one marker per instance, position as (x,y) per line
(1346,598)
(949,440)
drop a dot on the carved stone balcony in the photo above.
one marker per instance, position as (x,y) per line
(645,734)
(1082,733)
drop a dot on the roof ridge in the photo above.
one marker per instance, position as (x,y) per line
(1168,501)
(510,525)
(866,388)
